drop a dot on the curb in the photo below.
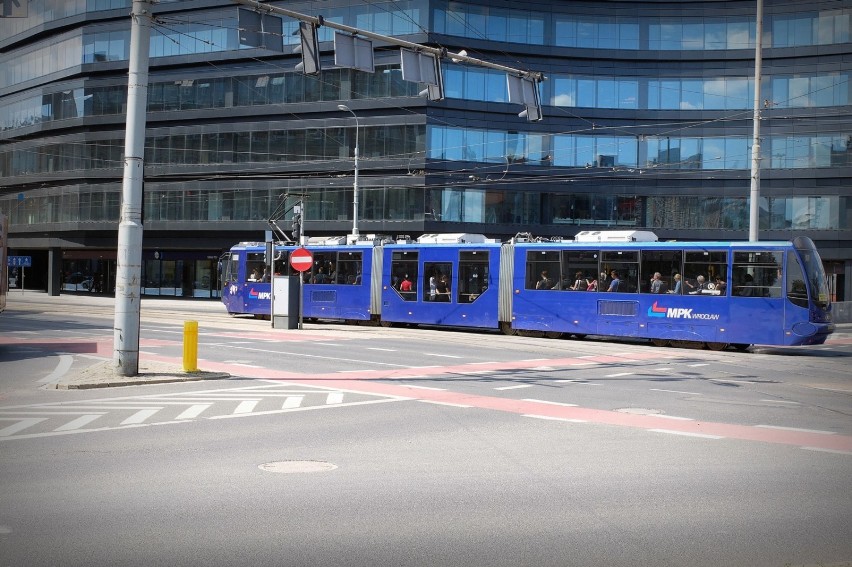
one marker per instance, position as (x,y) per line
(84,385)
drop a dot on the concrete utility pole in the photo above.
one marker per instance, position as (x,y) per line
(754,198)
(128,278)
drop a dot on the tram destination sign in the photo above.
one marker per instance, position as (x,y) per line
(301,259)
(19,261)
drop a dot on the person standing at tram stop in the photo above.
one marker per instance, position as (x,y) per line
(658,285)
(616,281)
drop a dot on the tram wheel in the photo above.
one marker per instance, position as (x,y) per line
(386,324)
(660,342)
(580,336)
(742,347)
(717,346)
(553,334)
(507,329)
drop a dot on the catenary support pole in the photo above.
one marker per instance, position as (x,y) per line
(129,254)
(754,194)
(355,183)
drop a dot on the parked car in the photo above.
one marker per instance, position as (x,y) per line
(78,282)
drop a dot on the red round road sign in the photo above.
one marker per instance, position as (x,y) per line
(301,259)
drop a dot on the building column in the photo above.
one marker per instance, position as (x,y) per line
(54,271)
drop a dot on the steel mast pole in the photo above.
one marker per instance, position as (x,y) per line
(754,194)
(355,183)
(129,255)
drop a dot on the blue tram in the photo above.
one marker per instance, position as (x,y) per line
(612,284)
(343,282)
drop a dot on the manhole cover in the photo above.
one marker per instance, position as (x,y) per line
(639,411)
(290,467)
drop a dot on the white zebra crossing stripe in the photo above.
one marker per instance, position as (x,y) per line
(193,411)
(20,425)
(246,406)
(292,402)
(334,398)
(79,422)
(140,416)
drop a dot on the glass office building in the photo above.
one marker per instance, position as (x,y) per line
(647,124)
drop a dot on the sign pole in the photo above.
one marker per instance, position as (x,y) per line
(301,260)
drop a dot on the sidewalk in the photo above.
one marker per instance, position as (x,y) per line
(103,374)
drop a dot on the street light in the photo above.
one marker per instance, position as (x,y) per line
(355,184)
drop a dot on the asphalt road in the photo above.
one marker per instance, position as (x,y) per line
(353,445)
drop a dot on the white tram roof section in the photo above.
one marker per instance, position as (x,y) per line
(455,238)
(616,236)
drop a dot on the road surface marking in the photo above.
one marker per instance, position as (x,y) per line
(140,416)
(619,374)
(382,349)
(551,418)
(292,402)
(797,429)
(246,406)
(79,422)
(193,411)
(835,451)
(440,355)
(437,403)
(62,368)
(551,403)
(517,387)
(20,425)
(675,391)
(686,433)
(334,398)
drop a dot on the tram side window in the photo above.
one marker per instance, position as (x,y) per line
(404,275)
(324,270)
(626,265)
(542,271)
(473,275)
(579,270)
(705,273)
(281,263)
(667,263)
(349,268)
(254,266)
(757,273)
(437,279)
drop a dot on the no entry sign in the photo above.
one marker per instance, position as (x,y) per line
(301,259)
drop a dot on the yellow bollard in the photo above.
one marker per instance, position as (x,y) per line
(190,346)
